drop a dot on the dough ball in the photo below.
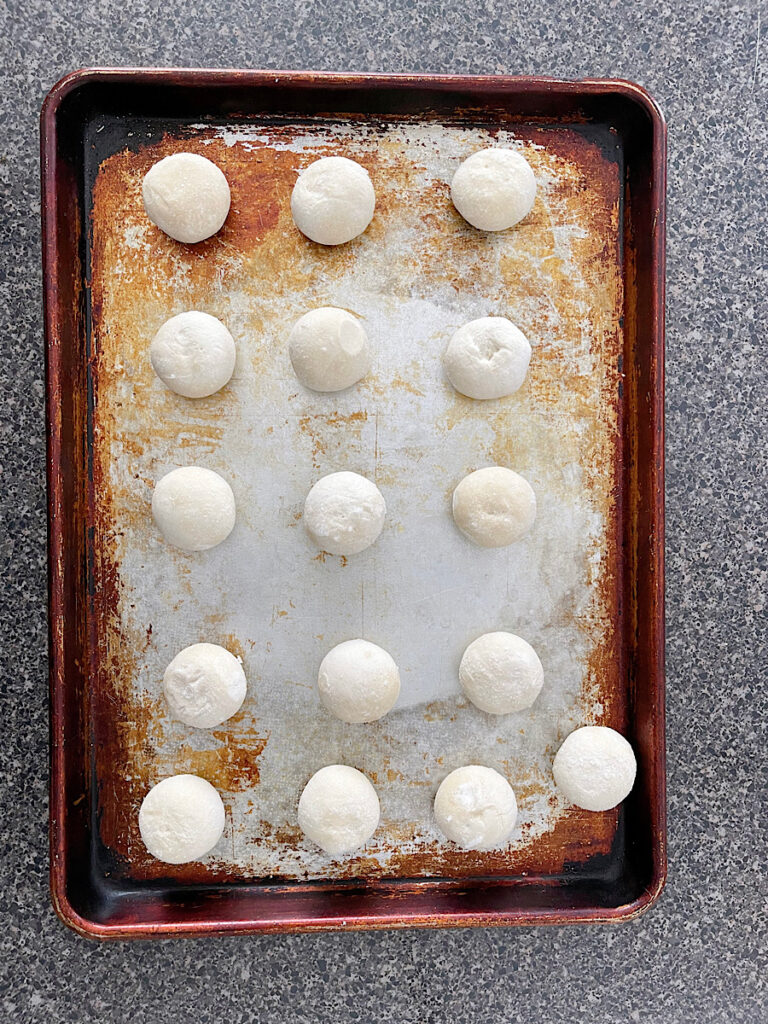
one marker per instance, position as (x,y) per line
(494,189)
(193,354)
(595,768)
(186,196)
(487,358)
(494,507)
(339,809)
(204,685)
(358,681)
(475,807)
(333,200)
(501,673)
(329,349)
(194,508)
(181,819)
(344,513)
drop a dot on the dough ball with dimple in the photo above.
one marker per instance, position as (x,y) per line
(487,358)
(475,807)
(339,810)
(358,681)
(494,189)
(333,200)
(501,673)
(329,349)
(595,768)
(186,196)
(204,685)
(494,506)
(194,508)
(344,513)
(193,354)
(181,819)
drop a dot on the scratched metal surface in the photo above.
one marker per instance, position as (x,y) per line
(423,591)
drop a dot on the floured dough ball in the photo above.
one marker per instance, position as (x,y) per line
(329,349)
(501,673)
(475,807)
(181,819)
(344,513)
(595,768)
(204,685)
(193,354)
(358,681)
(339,810)
(333,200)
(194,508)
(186,196)
(494,189)
(487,358)
(494,506)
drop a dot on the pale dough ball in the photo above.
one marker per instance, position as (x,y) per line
(194,508)
(329,349)
(501,673)
(193,354)
(595,768)
(186,196)
(475,807)
(487,358)
(181,819)
(339,809)
(344,513)
(204,685)
(333,200)
(494,506)
(358,681)
(494,189)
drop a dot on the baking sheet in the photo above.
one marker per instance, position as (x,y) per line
(423,591)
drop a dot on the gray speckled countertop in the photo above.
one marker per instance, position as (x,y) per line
(701,954)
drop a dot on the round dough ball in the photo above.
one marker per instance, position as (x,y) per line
(358,681)
(487,358)
(204,685)
(501,673)
(193,354)
(595,768)
(181,819)
(194,508)
(339,809)
(494,189)
(333,200)
(344,513)
(329,349)
(475,807)
(186,196)
(494,507)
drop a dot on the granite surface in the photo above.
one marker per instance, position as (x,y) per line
(701,954)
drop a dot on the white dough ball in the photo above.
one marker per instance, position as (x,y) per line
(329,349)
(475,807)
(181,819)
(487,358)
(494,189)
(339,809)
(204,685)
(193,354)
(194,508)
(186,196)
(595,768)
(358,681)
(344,513)
(501,673)
(333,200)
(494,506)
